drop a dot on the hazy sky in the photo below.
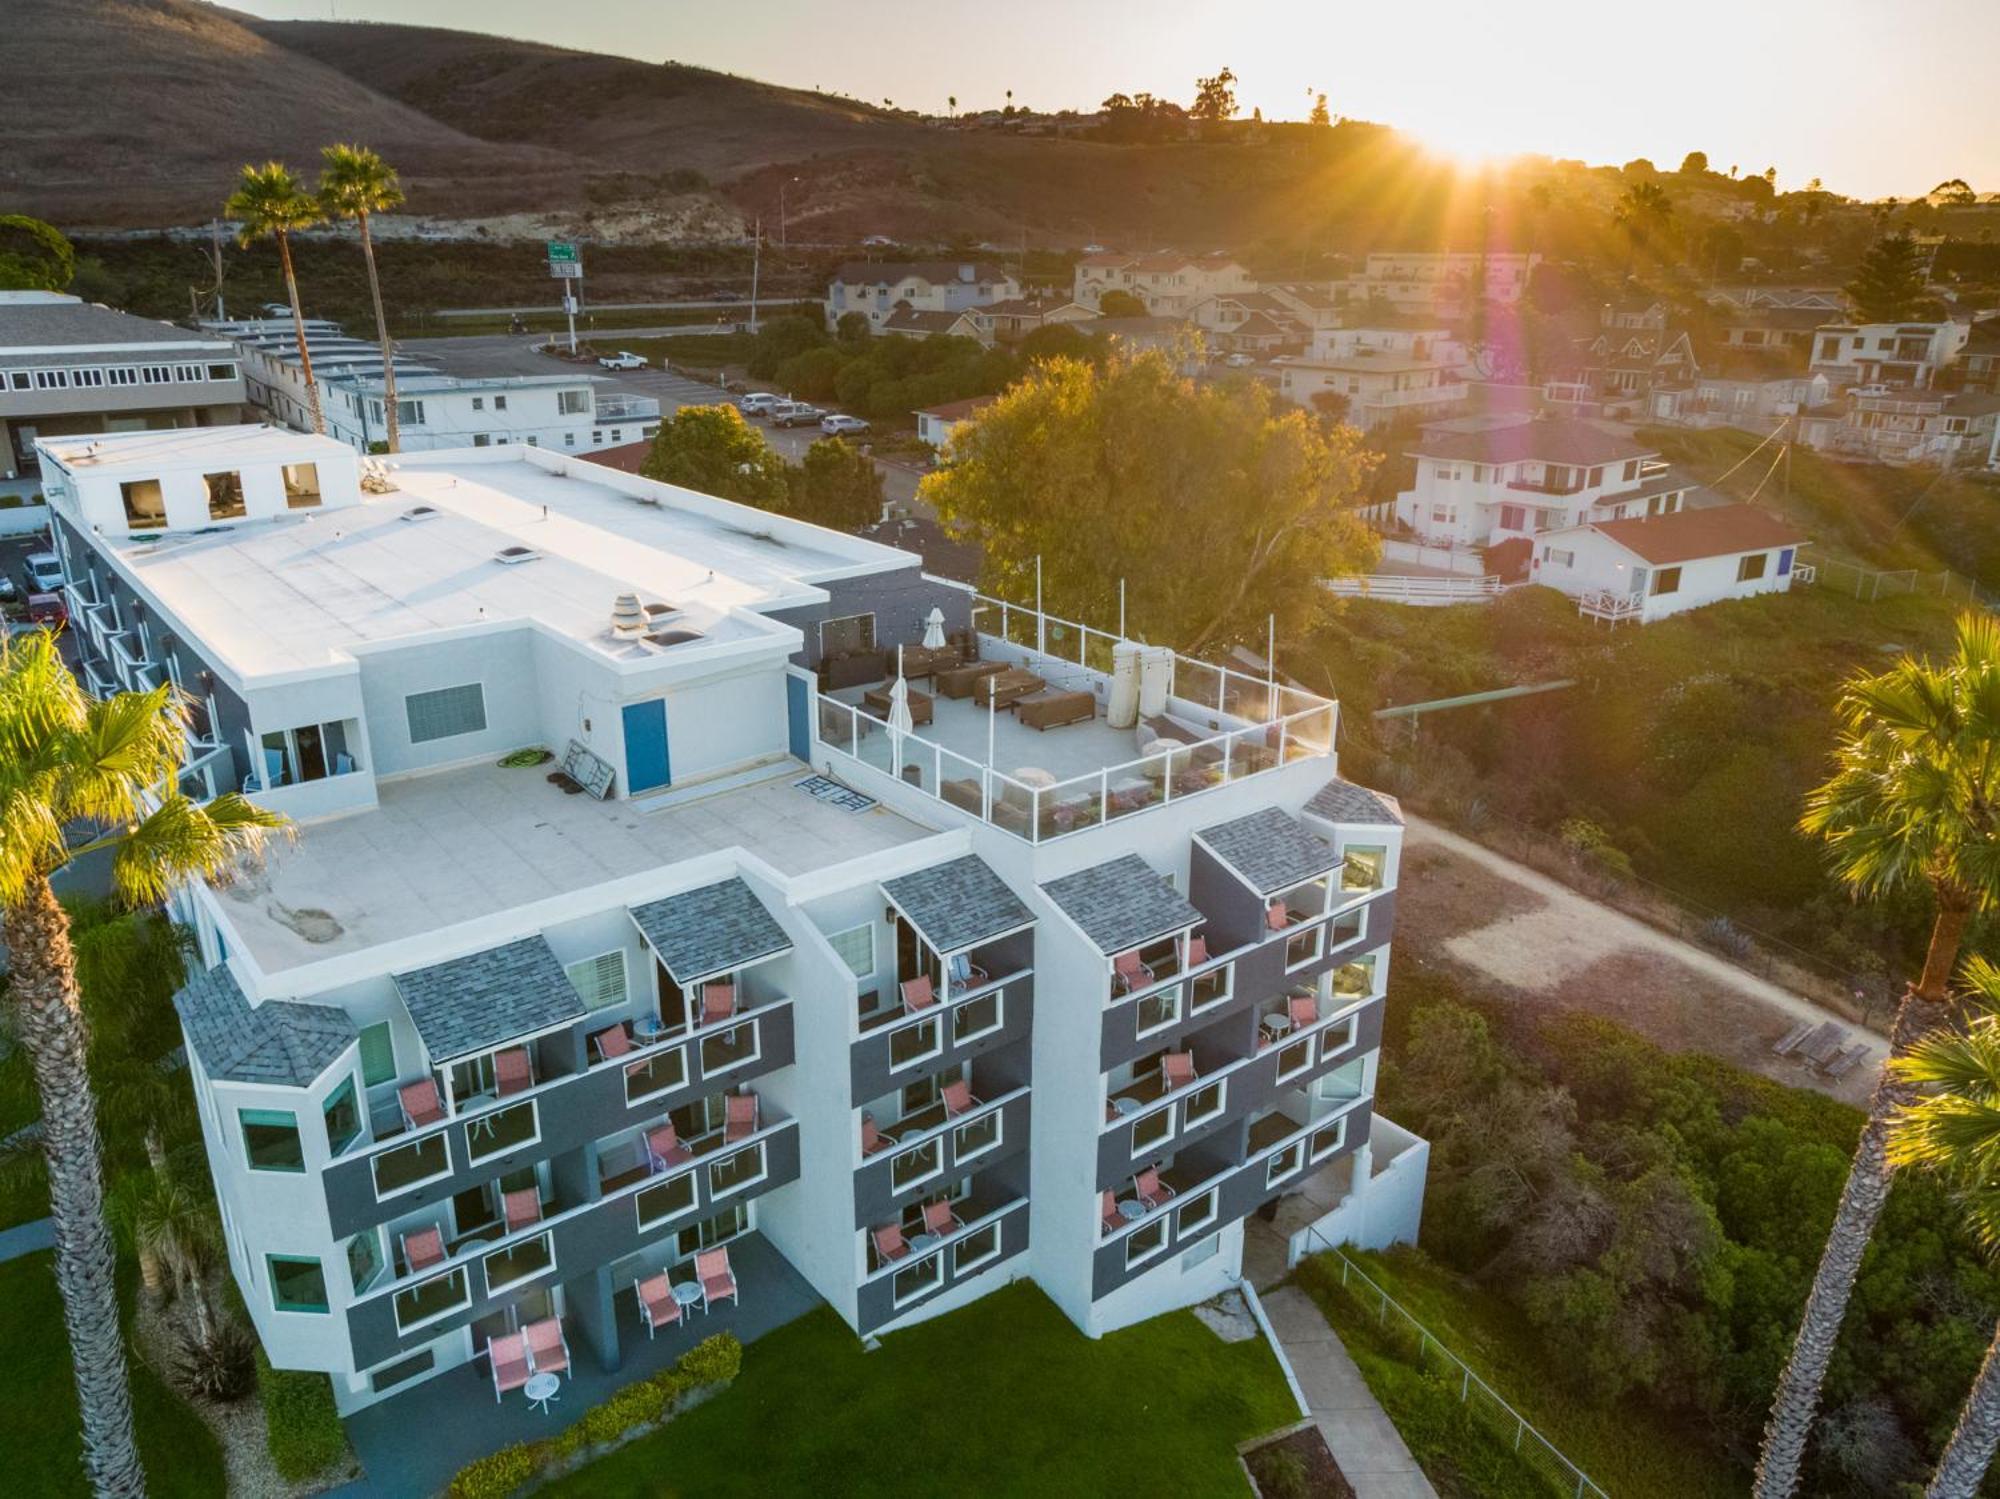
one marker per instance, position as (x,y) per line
(1874,96)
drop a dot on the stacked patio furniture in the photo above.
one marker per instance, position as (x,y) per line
(960,681)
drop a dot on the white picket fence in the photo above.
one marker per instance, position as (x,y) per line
(1430,592)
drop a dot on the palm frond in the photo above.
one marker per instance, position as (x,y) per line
(182,838)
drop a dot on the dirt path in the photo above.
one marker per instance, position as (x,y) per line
(1500,921)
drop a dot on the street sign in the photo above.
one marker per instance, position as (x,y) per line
(562,250)
(566,270)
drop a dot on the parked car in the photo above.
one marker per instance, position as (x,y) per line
(727,296)
(8,592)
(795,414)
(839,424)
(45,574)
(758,403)
(47,609)
(1240,361)
(624,359)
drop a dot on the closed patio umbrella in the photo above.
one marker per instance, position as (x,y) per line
(899,708)
(934,630)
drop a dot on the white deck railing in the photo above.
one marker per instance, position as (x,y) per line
(1400,590)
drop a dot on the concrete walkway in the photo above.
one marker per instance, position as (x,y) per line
(1362,1438)
(27,1238)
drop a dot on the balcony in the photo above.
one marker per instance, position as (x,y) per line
(1546,487)
(986,1233)
(898,1045)
(624,408)
(934,1145)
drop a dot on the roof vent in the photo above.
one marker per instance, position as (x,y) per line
(674,637)
(514,556)
(627,621)
(418,513)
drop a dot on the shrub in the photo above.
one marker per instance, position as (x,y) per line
(715,1360)
(1720,933)
(1282,1475)
(12,501)
(223,1368)
(498,1474)
(301,1425)
(630,1407)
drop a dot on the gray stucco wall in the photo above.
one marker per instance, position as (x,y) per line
(900,602)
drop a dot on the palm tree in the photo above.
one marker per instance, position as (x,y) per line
(269,200)
(1642,211)
(355,183)
(1914,801)
(1954,1130)
(65,759)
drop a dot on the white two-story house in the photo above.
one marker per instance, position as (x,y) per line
(1896,356)
(880,289)
(1381,374)
(1169,284)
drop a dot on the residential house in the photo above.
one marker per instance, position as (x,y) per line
(1512,478)
(1169,284)
(1760,327)
(1383,374)
(778,1001)
(1979,359)
(877,289)
(1632,351)
(1820,298)
(911,322)
(1440,284)
(1924,426)
(1738,392)
(1317,304)
(1897,356)
(1009,322)
(1647,567)
(936,424)
(70,367)
(1249,322)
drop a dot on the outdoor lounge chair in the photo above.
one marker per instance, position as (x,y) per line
(939,1219)
(1277,916)
(1130,971)
(718,1001)
(718,1281)
(873,1137)
(611,1043)
(664,1148)
(512,1071)
(1149,1189)
(963,973)
(423,1249)
(1177,1069)
(918,993)
(1006,688)
(509,1356)
(657,1307)
(1053,707)
(740,1121)
(959,681)
(889,1243)
(522,1208)
(1109,1219)
(1197,951)
(421,1104)
(1304,1010)
(548,1349)
(958,1099)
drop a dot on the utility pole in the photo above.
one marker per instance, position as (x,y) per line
(756,267)
(215,253)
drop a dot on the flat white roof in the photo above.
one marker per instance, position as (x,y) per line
(176,448)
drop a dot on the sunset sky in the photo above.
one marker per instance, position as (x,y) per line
(1873,97)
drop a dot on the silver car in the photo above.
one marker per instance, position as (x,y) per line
(841,425)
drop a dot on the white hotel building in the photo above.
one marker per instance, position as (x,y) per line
(926,1011)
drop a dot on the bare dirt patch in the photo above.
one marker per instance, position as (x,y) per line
(1438,897)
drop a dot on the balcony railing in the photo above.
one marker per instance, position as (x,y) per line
(626,408)
(958,1255)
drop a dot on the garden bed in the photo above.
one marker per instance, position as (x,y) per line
(1295,1464)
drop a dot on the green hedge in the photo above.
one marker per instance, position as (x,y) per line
(301,1426)
(712,1361)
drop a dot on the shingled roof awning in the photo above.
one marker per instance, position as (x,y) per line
(711,930)
(279,1041)
(1122,904)
(959,904)
(1343,801)
(486,999)
(1270,851)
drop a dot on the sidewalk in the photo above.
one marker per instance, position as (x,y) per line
(1363,1439)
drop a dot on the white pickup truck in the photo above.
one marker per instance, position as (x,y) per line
(624,359)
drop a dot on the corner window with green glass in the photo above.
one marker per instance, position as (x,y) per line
(343,1117)
(297,1284)
(271,1140)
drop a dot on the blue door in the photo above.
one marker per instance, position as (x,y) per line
(798,704)
(1784,562)
(646,746)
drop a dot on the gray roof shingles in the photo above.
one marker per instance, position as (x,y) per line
(716,927)
(959,904)
(1122,904)
(29,325)
(1343,801)
(280,1041)
(1270,850)
(487,999)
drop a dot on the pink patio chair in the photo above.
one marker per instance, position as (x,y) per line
(612,1043)
(664,1148)
(918,993)
(657,1307)
(873,1138)
(1177,1069)
(1130,971)
(740,1123)
(718,1001)
(958,1099)
(1304,1010)
(509,1356)
(423,1249)
(522,1208)
(1149,1189)
(1197,951)
(1110,1220)
(421,1104)
(939,1219)
(512,1071)
(1277,916)
(548,1349)
(889,1244)
(718,1281)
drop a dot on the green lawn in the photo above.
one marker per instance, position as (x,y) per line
(1625,1448)
(1001,1397)
(39,1431)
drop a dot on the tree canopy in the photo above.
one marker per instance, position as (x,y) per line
(1215,98)
(713,450)
(1121,304)
(1212,505)
(1694,163)
(837,485)
(34,256)
(1890,281)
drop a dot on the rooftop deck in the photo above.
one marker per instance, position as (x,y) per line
(443,849)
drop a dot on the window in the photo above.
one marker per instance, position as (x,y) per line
(1284,1163)
(669,1199)
(1363,867)
(600,980)
(479,403)
(1142,1244)
(502,1130)
(435,1298)
(1149,1130)
(298,1284)
(410,413)
(572,402)
(853,632)
(731,1048)
(222,372)
(919,1279)
(519,1262)
(1355,979)
(1196,1213)
(1327,1139)
(499,403)
(402,1371)
(1513,517)
(708,1233)
(1559,556)
(655,1075)
(1295,1058)
(1304,947)
(1750,568)
(1666,580)
(976,1249)
(301,485)
(910,1044)
(446,712)
(145,506)
(976,1138)
(271,1140)
(378,1055)
(745,1168)
(1203,1104)
(912,1166)
(1202,1253)
(343,1117)
(480,440)
(411,1165)
(976,1017)
(856,947)
(1159,1010)
(364,1259)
